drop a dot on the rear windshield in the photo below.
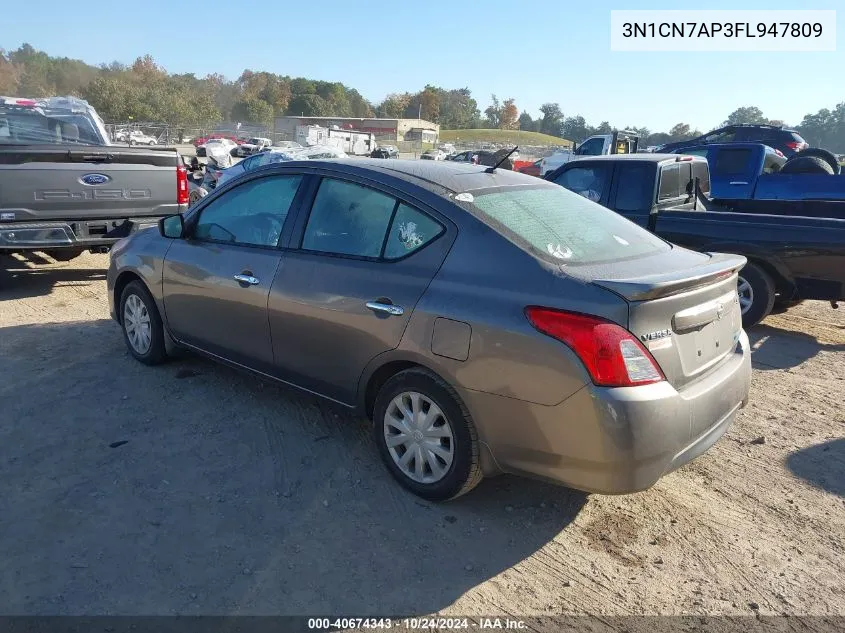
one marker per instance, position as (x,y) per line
(32,127)
(561,226)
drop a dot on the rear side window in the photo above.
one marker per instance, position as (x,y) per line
(558,225)
(635,190)
(732,161)
(410,230)
(348,219)
(670,182)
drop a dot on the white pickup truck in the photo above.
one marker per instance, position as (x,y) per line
(619,142)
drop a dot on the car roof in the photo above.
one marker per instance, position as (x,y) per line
(437,176)
(648,157)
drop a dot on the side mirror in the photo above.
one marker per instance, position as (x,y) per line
(173,226)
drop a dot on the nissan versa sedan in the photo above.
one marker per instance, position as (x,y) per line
(484,320)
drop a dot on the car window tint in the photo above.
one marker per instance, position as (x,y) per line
(700,171)
(410,231)
(670,182)
(348,219)
(635,190)
(588,181)
(251,214)
(558,225)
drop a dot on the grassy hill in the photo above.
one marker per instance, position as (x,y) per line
(516,137)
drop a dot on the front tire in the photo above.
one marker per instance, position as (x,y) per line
(426,436)
(140,321)
(756,294)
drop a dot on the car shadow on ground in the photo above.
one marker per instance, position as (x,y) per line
(775,348)
(22,278)
(822,465)
(190,488)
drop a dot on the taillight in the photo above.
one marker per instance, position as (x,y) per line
(182,195)
(612,355)
(797,146)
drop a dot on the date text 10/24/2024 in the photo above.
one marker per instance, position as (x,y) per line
(415,624)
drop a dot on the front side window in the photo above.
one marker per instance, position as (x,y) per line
(251,214)
(670,182)
(588,181)
(560,226)
(593,147)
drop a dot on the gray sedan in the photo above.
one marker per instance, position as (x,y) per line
(484,320)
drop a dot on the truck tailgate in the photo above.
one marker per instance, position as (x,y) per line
(39,183)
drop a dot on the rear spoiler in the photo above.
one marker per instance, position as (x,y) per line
(721,266)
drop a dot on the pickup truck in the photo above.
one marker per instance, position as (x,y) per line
(619,142)
(65,189)
(755,178)
(790,257)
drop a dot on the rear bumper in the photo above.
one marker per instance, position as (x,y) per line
(614,441)
(30,236)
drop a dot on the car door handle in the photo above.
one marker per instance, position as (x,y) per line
(386,308)
(246,279)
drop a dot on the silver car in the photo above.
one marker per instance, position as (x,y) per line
(486,321)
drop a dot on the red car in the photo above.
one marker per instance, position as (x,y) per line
(532,170)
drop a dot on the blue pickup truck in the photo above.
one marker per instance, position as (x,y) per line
(792,231)
(758,179)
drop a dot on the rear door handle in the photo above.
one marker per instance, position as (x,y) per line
(386,308)
(246,279)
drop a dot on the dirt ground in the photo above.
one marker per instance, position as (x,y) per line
(190,488)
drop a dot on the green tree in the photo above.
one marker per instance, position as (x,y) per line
(252,110)
(394,106)
(552,120)
(526,122)
(575,128)
(747,114)
(308,105)
(493,113)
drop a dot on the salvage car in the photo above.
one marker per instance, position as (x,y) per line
(433,154)
(66,189)
(791,256)
(385,151)
(486,321)
(253,145)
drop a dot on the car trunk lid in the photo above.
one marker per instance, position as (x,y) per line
(689,320)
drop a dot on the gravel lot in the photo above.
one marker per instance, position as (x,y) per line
(193,489)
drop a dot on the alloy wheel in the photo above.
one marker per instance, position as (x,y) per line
(746,295)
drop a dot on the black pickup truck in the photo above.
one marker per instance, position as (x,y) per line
(790,257)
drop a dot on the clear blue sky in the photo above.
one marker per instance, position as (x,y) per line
(555,51)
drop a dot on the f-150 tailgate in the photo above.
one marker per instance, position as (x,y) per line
(60,182)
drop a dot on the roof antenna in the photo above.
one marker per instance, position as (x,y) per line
(492,169)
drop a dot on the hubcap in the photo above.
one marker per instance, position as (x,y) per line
(746,295)
(136,322)
(418,437)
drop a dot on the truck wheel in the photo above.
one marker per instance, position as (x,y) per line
(799,164)
(825,155)
(65,254)
(140,321)
(756,294)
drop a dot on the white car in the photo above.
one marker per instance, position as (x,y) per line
(288,145)
(277,155)
(253,145)
(433,154)
(217,144)
(137,137)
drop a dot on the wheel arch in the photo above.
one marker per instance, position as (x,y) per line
(123,280)
(381,369)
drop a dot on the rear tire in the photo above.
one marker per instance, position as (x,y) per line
(451,432)
(140,321)
(756,294)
